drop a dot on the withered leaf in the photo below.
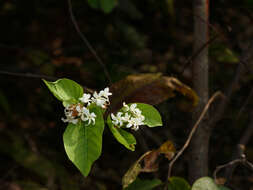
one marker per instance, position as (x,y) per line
(167,149)
(149,88)
(133,171)
(150,164)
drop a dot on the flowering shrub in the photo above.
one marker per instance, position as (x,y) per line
(84,114)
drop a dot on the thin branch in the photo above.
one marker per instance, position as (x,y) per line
(73,19)
(231,163)
(238,151)
(37,76)
(193,131)
(28,75)
(242,160)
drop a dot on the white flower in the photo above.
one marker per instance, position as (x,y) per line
(117,120)
(99,100)
(87,116)
(85,98)
(134,110)
(126,117)
(132,107)
(105,93)
(70,115)
(134,123)
(79,109)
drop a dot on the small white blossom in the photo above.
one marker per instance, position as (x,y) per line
(79,109)
(102,98)
(134,110)
(87,116)
(126,117)
(117,120)
(105,93)
(85,99)
(70,116)
(132,107)
(134,123)
(99,100)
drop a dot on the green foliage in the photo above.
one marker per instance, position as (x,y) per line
(178,183)
(152,116)
(205,183)
(65,90)
(105,5)
(122,136)
(139,184)
(83,143)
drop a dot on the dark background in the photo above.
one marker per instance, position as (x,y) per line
(38,37)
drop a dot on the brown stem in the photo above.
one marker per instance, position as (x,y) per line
(193,131)
(198,161)
(232,164)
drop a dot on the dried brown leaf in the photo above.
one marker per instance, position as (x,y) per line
(150,164)
(149,88)
(167,149)
(133,171)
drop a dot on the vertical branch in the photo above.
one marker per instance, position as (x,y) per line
(198,162)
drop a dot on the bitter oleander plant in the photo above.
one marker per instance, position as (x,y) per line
(84,114)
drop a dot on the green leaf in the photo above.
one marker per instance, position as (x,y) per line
(122,136)
(205,183)
(178,183)
(139,184)
(108,5)
(221,187)
(65,90)
(152,116)
(83,143)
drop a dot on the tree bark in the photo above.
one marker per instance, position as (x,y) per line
(198,162)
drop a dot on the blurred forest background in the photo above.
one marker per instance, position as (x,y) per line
(38,38)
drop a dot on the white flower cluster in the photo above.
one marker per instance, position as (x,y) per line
(78,111)
(131,117)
